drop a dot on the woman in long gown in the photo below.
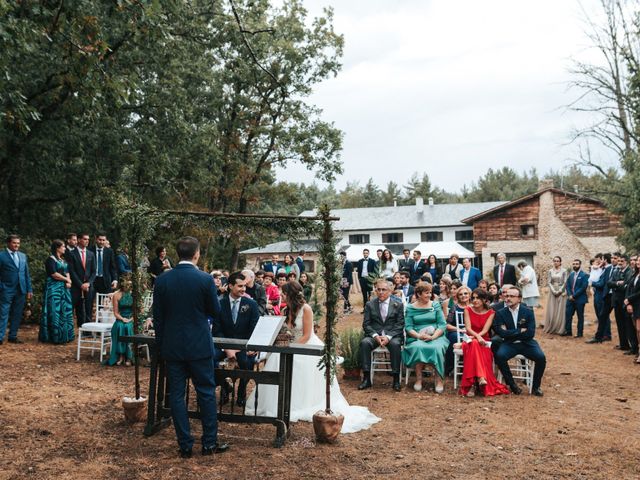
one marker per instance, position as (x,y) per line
(426,343)
(557,301)
(308,381)
(56,323)
(123,311)
(478,358)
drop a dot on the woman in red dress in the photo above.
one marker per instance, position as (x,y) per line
(478,359)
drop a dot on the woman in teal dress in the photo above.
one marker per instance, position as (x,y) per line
(123,311)
(56,323)
(426,344)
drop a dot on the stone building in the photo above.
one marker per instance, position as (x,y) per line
(539,226)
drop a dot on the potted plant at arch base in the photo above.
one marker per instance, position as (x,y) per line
(350,346)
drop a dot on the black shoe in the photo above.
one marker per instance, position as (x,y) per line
(241,402)
(516,390)
(186,452)
(217,448)
(578,336)
(565,334)
(618,347)
(15,340)
(366,382)
(224,396)
(630,352)
(594,340)
(537,392)
(606,339)
(396,384)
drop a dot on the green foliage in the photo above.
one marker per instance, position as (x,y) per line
(350,347)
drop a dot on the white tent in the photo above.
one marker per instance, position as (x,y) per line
(443,249)
(354,252)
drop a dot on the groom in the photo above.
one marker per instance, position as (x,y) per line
(383,327)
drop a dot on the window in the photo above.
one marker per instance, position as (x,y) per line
(309,266)
(464,235)
(392,237)
(358,239)
(527,230)
(430,236)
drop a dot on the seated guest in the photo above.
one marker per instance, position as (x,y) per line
(516,326)
(291,277)
(483,285)
(307,287)
(494,292)
(478,359)
(123,311)
(255,291)
(426,344)
(383,326)
(444,295)
(406,287)
(281,281)
(273,294)
(260,276)
(217,280)
(455,285)
(460,297)
(239,316)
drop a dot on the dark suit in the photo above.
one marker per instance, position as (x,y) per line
(258,293)
(106,273)
(508,276)
(183,301)
(633,297)
(602,301)
(416,270)
(365,282)
(403,264)
(272,267)
(122,264)
(408,292)
(518,340)
(300,263)
(617,301)
(15,284)
(374,325)
(577,285)
(346,282)
(83,306)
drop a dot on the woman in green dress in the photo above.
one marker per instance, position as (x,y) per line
(56,323)
(426,344)
(123,311)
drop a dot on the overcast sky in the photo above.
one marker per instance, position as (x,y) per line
(452,88)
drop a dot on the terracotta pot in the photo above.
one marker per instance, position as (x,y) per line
(352,373)
(327,426)
(135,410)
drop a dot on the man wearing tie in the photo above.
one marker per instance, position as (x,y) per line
(15,288)
(407,288)
(404,262)
(82,268)
(504,273)
(618,282)
(417,267)
(602,300)
(577,285)
(106,275)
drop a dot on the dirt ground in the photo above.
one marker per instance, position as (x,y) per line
(62,419)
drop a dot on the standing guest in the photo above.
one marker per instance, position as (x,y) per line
(388,265)
(273,294)
(433,269)
(483,285)
(56,324)
(217,280)
(300,260)
(494,292)
(417,267)
(426,344)
(183,301)
(478,358)
(346,281)
(405,261)
(122,263)
(273,265)
(160,264)
(504,273)
(307,287)
(632,303)
(72,243)
(529,284)
(469,275)
(123,311)
(106,273)
(82,268)
(15,288)
(460,298)
(517,327)
(383,326)
(255,291)
(238,318)
(453,268)
(554,319)
(602,300)
(379,255)
(576,287)
(290,266)
(618,285)
(366,269)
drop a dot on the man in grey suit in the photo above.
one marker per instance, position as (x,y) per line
(15,288)
(383,327)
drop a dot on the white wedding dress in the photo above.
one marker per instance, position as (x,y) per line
(308,391)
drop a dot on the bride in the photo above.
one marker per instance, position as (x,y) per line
(308,381)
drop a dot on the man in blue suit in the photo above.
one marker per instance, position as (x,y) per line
(577,285)
(273,266)
(602,301)
(15,288)
(516,325)
(470,276)
(239,316)
(184,298)
(366,272)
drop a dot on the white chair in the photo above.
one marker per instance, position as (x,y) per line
(380,361)
(96,335)
(147,302)
(522,369)
(458,365)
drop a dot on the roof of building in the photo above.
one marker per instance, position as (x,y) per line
(525,198)
(285,246)
(406,216)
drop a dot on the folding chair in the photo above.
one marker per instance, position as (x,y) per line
(458,365)
(96,335)
(380,361)
(522,369)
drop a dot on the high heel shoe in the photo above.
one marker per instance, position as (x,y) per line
(472,392)
(482,381)
(417,386)
(119,362)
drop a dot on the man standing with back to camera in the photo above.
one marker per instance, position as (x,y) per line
(183,300)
